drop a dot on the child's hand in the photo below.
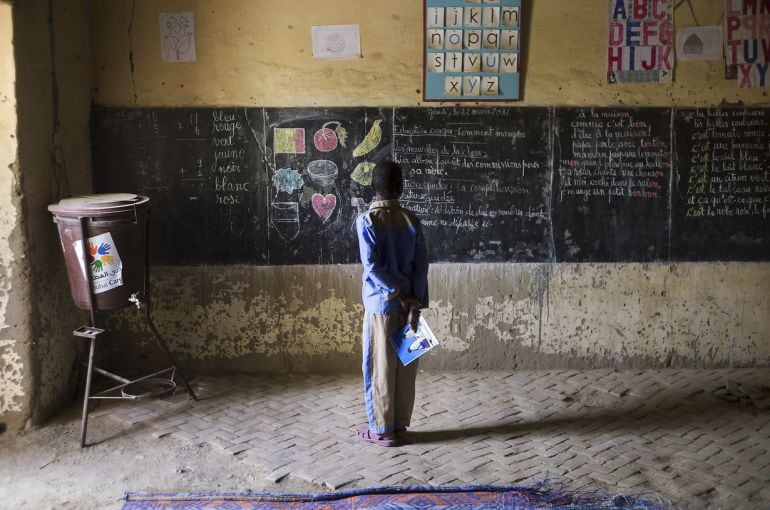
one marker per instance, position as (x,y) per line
(408,302)
(413,318)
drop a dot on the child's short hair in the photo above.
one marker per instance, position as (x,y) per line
(387,177)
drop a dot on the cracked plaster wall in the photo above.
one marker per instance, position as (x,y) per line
(45,106)
(488,316)
(56,163)
(13,385)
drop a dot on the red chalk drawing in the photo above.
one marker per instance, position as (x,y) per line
(324,205)
(325,139)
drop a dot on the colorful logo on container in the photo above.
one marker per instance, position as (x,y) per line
(100,257)
(102,260)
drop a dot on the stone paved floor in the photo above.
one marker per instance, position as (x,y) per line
(661,432)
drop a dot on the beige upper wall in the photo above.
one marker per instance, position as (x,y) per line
(258,53)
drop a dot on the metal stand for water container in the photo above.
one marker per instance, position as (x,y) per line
(159,384)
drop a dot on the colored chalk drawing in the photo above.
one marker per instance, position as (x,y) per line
(289,141)
(339,133)
(370,141)
(308,156)
(363,173)
(285,219)
(324,205)
(104,262)
(287,180)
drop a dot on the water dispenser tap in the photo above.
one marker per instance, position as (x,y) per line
(134,298)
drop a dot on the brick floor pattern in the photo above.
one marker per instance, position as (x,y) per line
(663,433)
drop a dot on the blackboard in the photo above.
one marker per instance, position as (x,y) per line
(721,198)
(225,190)
(319,162)
(611,184)
(201,169)
(273,186)
(480,178)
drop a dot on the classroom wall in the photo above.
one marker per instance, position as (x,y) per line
(489,315)
(14,381)
(44,156)
(55,163)
(259,54)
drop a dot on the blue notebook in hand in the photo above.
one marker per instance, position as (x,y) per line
(410,345)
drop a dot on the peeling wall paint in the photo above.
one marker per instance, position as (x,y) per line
(61,167)
(44,156)
(12,383)
(233,312)
(709,314)
(487,316)
(12,387)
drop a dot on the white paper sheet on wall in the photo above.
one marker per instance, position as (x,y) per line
(335,42)
(177,36)
(699,43)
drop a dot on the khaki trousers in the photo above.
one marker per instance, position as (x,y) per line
(389,386)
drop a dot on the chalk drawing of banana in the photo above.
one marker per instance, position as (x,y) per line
(370,141)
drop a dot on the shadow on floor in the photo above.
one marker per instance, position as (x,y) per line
(599,422)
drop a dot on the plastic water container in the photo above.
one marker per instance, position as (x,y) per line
(116,246)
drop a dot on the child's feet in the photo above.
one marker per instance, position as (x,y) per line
(364,434)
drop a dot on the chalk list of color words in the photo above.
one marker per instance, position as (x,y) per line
(747,42)
(471,50)
(641,34)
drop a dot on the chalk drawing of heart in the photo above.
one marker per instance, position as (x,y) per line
(324,205)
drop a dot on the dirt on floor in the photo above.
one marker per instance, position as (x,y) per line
(45,468)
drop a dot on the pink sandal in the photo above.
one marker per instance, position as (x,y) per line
(366,435)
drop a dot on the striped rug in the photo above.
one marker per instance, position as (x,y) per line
(399,497)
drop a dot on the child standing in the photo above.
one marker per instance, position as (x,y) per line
(395,289)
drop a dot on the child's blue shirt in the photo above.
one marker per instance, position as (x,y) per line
(394,256)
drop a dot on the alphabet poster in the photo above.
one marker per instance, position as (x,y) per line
(747,42)
(471,50)
(641,41)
